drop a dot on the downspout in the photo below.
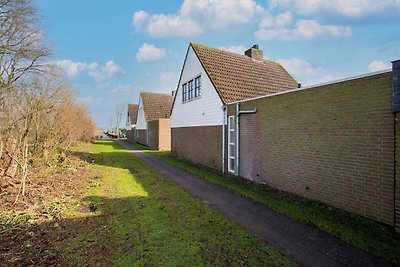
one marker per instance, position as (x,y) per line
(238,113)
(237,145)
(224,111)
(147,134)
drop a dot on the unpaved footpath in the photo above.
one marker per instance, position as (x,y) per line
(302,243)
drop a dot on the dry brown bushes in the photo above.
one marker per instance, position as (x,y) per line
(38,113)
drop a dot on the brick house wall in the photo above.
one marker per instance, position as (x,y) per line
(153,129)
(141,137)
(130,135)
(397,170)
(164,135)
(159,132)
(332,143)
(200,145)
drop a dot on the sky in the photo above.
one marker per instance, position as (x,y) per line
(112,50)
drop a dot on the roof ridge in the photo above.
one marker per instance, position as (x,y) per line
(155,93)
(232,53)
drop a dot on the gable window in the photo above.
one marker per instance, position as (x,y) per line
(191,89)
(190,97)
(197,87)
(184,92)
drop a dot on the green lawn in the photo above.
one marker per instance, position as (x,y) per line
(138,217)
(355,230)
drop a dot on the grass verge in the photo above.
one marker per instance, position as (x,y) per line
(360,232)
(134,216)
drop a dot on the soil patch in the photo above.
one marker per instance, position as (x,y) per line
(32,226)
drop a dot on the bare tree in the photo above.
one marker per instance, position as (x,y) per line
(119,112)
(37,107)
(21,43)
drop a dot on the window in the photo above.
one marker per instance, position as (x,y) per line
(184,92)
(197,87)
(231,144)
(191,89)
(190,96)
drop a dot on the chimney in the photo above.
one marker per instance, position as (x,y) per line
(173,92)
(254,53)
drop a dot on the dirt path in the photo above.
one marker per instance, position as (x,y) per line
(300,242)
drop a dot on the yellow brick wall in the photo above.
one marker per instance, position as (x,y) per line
(199,145)
(333,143)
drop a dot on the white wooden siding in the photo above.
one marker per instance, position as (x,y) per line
(141,123)
(203,111)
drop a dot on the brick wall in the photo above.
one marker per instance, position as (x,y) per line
(159,134)
(130,135)
(333,143)
(397,181)
(164,136)
(200,145)
(153,129)
(141,137)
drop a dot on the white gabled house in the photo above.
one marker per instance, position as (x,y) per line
(210,79)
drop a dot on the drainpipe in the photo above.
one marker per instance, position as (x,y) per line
(238,113)
(147,134)
(224,111)
(237,145)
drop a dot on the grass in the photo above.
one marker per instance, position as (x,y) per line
(360,232)
(134,216)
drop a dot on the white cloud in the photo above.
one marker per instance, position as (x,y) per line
(148,52)
(139,18)
(74,68)
(305,72)
(196,16)
(353,8)
(281,27)
(172,25)
(106,72)
(297,67)
(239,49)
(378,65)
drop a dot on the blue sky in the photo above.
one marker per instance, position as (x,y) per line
(112,50)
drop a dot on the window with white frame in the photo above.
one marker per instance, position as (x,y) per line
(191,89)
(184,92)
(231,144)
(197,87)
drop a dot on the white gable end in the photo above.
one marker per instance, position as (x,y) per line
(203,111)
(141,123)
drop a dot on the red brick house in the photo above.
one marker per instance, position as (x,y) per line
(210,79)
(153,120)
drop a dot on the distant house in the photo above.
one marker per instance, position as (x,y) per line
(153,120)
(131,121)
(210,79)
